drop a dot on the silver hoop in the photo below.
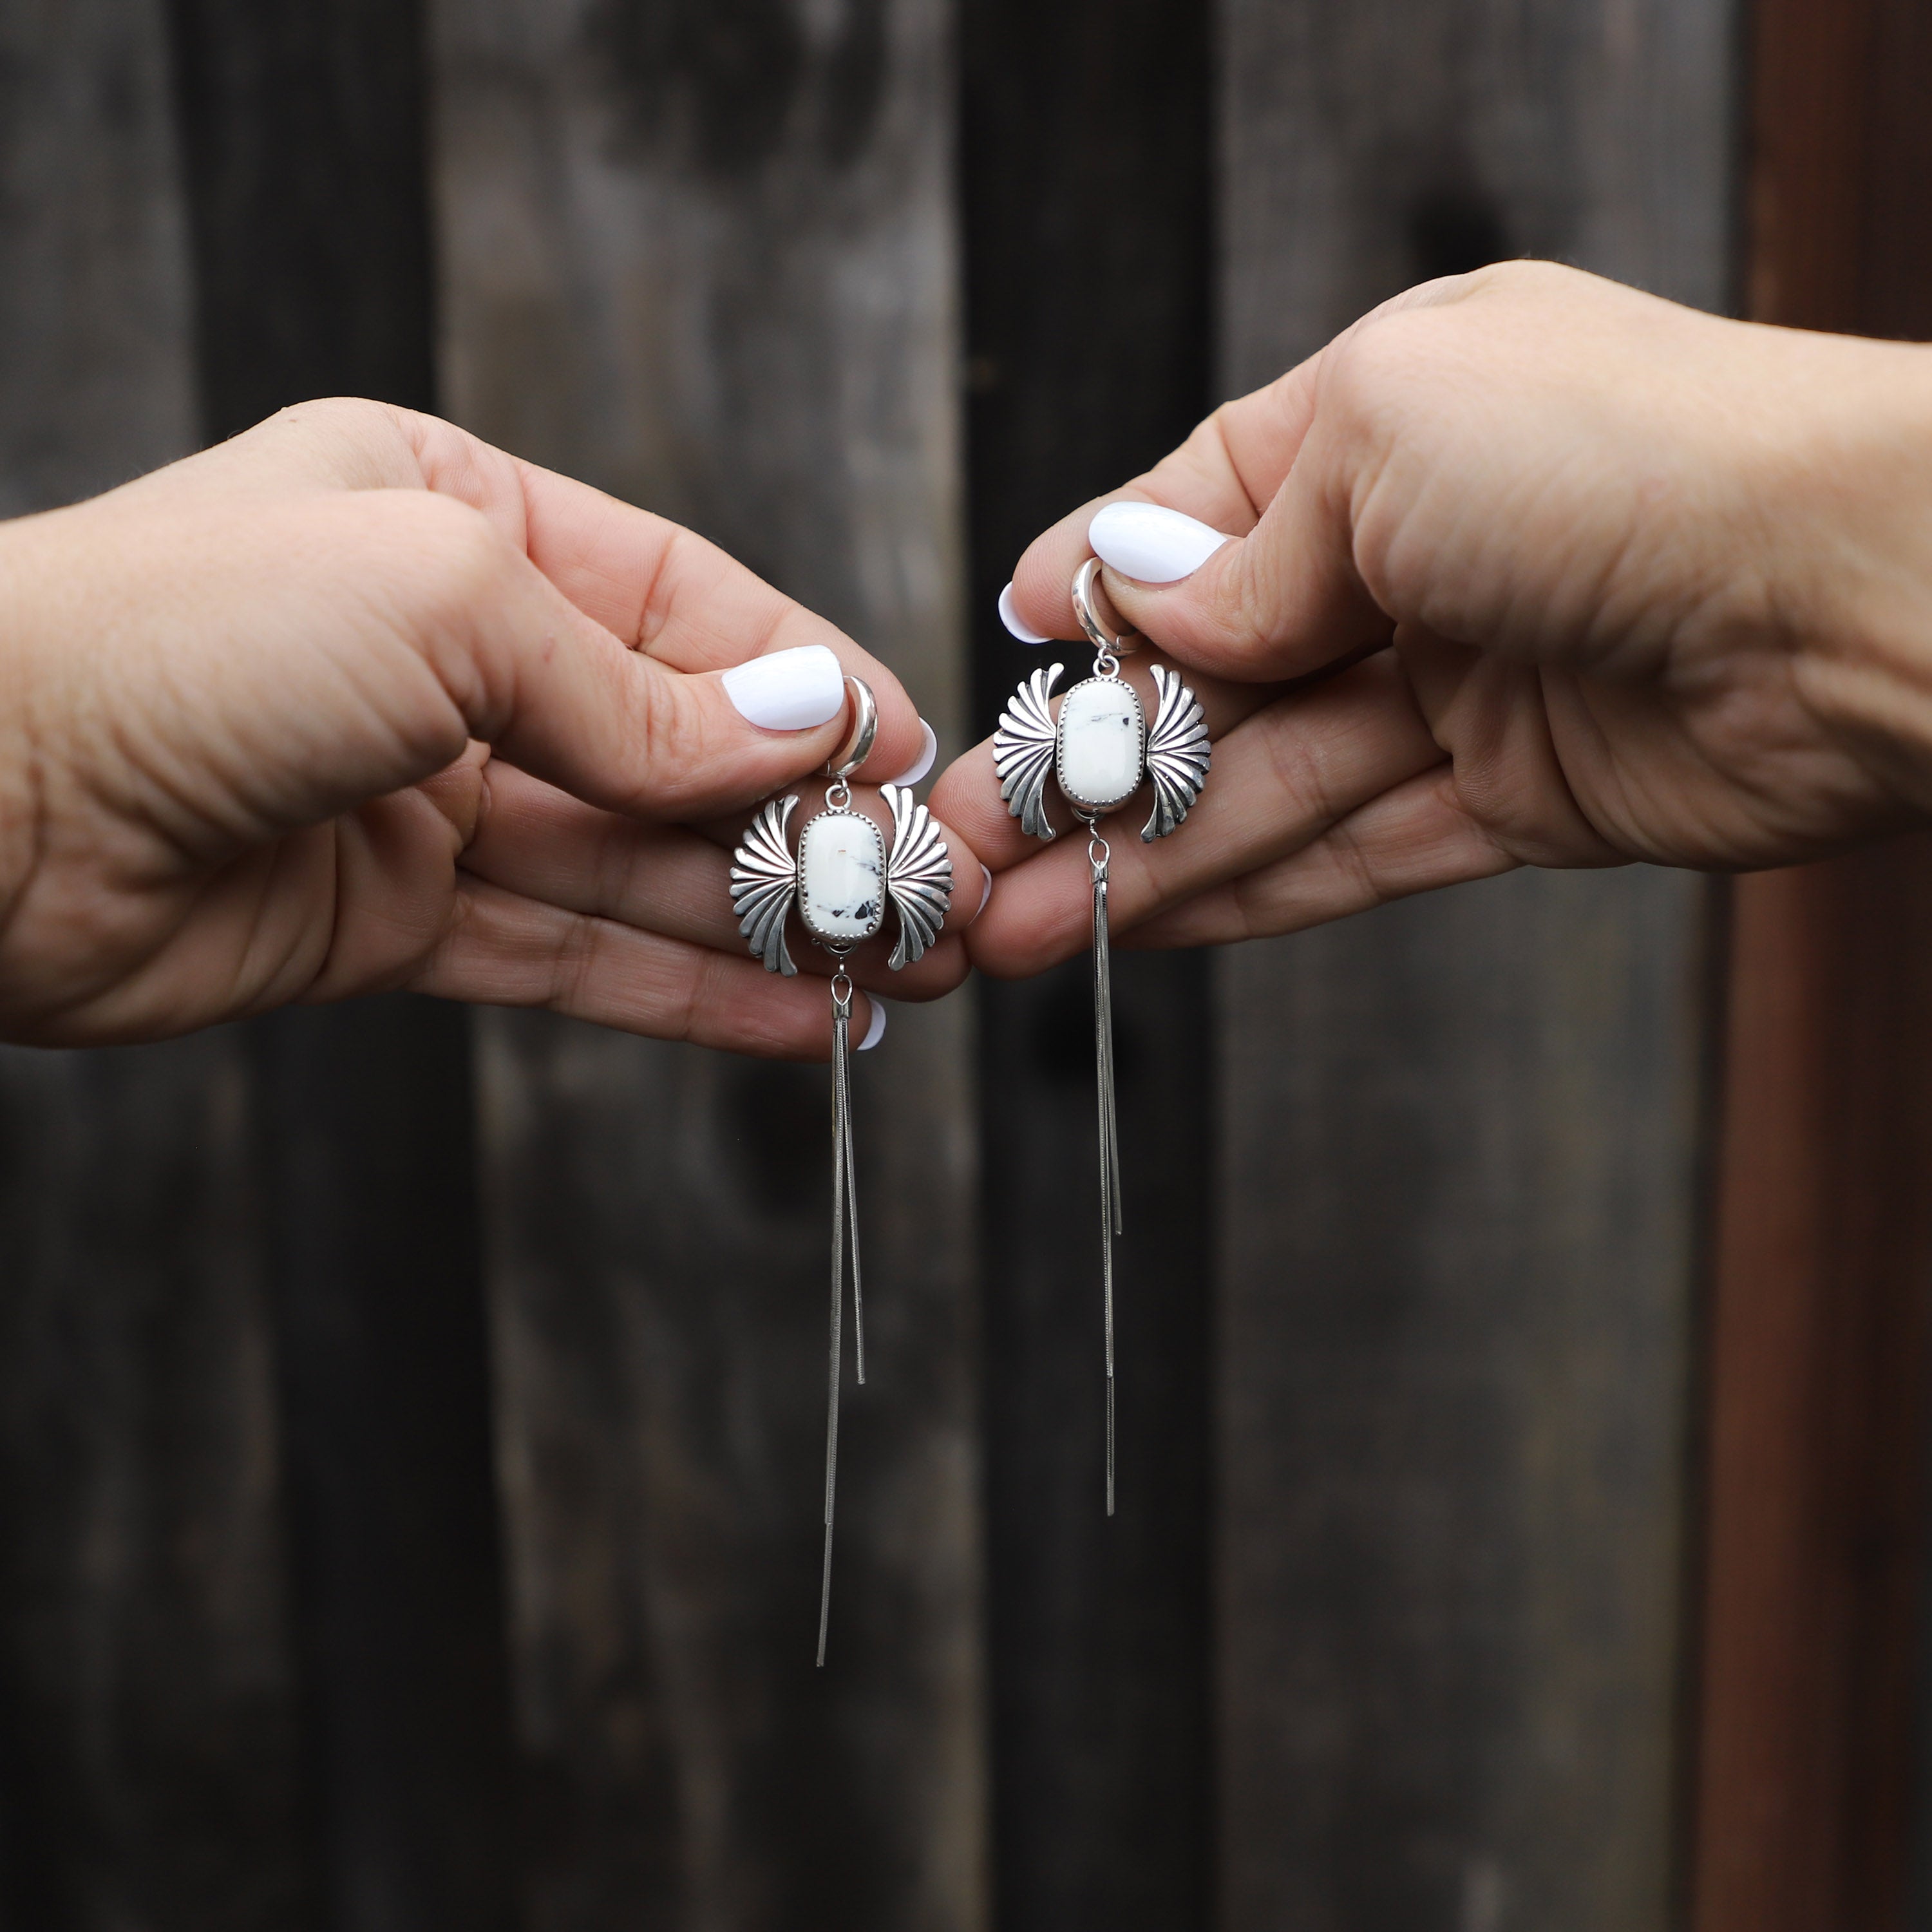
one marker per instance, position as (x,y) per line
(1086,610)
(858,745)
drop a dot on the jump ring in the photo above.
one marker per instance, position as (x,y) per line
(858,745)
(1086,610)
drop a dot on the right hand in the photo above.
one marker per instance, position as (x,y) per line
(1658,586)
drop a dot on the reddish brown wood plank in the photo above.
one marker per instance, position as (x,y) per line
(1818,1346)
(1815,1497)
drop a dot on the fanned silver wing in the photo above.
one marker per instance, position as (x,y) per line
(1023,752)
(1176,754)
(764,881)
(919,877)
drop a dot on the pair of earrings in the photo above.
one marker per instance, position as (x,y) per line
(1100,750)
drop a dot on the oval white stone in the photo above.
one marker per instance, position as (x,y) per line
(841,872)
(1099,749)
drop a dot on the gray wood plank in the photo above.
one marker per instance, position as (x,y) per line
(148,1704)
(305,174)
(705,261)
(94,283)
(1460,1202)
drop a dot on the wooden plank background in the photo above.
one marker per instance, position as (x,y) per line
(1458,1202)
(370,1562)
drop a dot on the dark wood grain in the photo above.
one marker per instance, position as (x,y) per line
(302,131)
(1462,1135)
(373,1253)
(304,137)
(1810,1796)
(701,255)
(149,1726)
(95,299)
(149,1713)
(1088,213)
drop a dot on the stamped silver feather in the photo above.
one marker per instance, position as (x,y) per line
(764,883)
(1177,754)
(919,877)
(1023,752)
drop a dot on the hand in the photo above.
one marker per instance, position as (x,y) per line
(355,702)
(1658,586)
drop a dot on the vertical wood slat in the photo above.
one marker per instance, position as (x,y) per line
(1085,181)
(1814,1627)
(1459,1213)
(702,257)
(304,136)
(1818,1339)
(149,1719)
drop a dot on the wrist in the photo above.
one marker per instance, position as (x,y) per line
(1855,573)
(21,791)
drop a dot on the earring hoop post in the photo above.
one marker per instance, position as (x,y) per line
(857,747)
(1086,608)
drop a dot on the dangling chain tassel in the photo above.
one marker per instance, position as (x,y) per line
(1098,853)
(845,1236)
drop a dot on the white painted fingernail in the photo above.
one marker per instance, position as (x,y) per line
(876,1030)
(788,691)
(1010,618)
(927,752)
(1150,544)
(985,893)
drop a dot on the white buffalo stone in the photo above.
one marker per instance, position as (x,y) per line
(842,870)
(1100,741)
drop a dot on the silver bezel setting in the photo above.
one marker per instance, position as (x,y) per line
(840,940)
(1060,745)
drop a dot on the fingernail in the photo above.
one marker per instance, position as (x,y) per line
(918,769)
(788,691)
(985,893)
(1149,544)
(876,1031)
(1010,618)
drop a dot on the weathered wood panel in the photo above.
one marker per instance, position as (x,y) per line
(1459,1208)
(703,256)
(1812,1788)
(1085,154)
(94,297)
(148,1720)
(304,137)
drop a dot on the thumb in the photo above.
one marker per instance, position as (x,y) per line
(1283,600)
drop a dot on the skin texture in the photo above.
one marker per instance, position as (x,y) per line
(1531,569)
(355,702)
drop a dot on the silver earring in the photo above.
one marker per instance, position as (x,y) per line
(839,883)
(1100,752)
